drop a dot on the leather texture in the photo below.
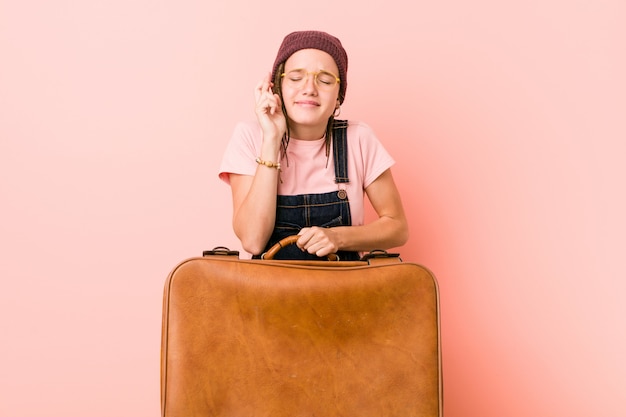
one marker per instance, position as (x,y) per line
(257,338)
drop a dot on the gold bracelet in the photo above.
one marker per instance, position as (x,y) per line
(268,163)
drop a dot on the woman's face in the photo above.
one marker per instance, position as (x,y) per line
(309,88)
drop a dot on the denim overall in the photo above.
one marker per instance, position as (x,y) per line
(293,212)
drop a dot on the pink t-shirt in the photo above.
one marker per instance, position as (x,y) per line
(308,170)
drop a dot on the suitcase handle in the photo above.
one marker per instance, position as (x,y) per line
(290,240)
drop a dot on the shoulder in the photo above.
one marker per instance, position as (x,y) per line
(362,135)
(246,135)
(359,127)
(241,151)
(361,132)
(368,151)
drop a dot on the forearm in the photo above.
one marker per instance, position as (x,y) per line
(383,233)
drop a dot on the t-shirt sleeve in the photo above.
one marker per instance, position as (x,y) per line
(241,152)
(376,159)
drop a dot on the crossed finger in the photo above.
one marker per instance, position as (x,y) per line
(265,98)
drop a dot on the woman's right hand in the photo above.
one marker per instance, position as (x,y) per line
(269,110)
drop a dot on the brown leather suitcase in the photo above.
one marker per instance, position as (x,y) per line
(257,338)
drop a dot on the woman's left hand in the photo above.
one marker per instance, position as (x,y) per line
(319,241)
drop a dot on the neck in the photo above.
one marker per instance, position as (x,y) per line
(307,132)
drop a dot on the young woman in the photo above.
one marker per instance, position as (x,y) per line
(298,170)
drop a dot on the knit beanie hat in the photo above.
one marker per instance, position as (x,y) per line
(312,39)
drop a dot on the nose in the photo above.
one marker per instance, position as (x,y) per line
(310,84)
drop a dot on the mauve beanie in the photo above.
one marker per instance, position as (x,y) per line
(312,39)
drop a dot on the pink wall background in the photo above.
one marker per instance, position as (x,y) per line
(506,120)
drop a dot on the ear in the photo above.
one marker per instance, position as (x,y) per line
(337,110)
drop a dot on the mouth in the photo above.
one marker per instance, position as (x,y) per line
(307,103)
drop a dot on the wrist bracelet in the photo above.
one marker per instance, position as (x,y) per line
(268,163)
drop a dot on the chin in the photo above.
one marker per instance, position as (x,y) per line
(308,119)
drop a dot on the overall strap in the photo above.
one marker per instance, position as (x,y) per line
(340,151)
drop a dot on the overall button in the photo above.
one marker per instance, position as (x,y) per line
(342,194)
